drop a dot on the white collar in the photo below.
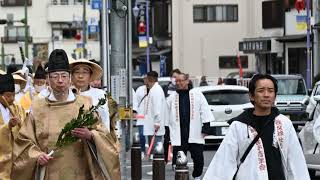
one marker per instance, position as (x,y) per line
(154,85)
(71,96)
(4,113)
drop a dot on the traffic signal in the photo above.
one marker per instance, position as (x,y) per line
(142,28)
(78,36)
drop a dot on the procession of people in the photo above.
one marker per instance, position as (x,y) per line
(261,143)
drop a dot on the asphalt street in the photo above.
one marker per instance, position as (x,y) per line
(147,166)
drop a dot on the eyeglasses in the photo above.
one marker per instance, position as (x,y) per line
(56,76)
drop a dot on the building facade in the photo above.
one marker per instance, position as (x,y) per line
(205,36)
(208,35)
(52,24)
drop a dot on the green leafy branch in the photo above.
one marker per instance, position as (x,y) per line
(84,119)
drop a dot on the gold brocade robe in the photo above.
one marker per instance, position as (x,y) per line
(39,134)
(7,137)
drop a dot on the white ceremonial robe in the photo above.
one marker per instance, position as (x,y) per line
(95,95)
(155,110)
(199,113)
(224,163)
(141,100)
(44,93)
(316,129)
(134,101)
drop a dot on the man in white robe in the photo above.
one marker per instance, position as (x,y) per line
(141,97)
(277,154)
(155,108)
(83,72)
(190,117)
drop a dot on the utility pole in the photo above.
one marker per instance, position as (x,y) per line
(84,29)
(148,35)
(26,45)
(120,67)
(105,44)
(316,49)
(308,47)
(2,57)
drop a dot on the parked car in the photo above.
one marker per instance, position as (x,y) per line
(312,101)
(309,144)
(246,74)
(292,98)
(226,102)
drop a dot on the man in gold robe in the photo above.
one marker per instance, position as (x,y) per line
(94,156)
(10,117)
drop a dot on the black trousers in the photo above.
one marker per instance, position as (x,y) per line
(196,151)
(166,143)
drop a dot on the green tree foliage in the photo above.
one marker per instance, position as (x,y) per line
(84,119)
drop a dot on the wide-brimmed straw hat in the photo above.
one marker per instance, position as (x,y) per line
(95,68)
(19,80)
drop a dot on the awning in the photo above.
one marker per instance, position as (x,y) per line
(293,38)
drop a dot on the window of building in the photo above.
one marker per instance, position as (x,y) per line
(15,2)
(215,13)
(230,62)
(70,31)
(14,34)
(272,14)
(199,13)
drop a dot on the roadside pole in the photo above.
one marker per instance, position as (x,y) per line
(105,44)
(26,30)
(2,58)
(120,70)
(308,78)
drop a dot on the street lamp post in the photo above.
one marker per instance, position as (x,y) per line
(148,35)
(26,45)
(84,29)
(308,78)
(2,56)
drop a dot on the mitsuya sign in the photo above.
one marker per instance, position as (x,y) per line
(255,46)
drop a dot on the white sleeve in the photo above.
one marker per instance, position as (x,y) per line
(296,163)
(224,163)
(156,105)
(205,112)
(316,129)
(168,112)
(104,114)
(134,101)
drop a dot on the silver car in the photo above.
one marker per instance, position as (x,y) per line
(308,142)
